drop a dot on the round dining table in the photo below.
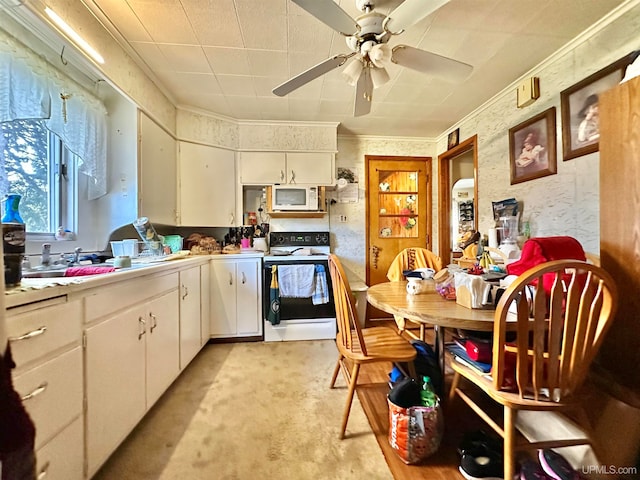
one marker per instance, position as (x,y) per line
(429,307)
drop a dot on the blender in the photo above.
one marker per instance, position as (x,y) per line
(508,244)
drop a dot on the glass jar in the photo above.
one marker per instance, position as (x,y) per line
(445,284)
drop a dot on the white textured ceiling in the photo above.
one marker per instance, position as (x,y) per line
(225,56)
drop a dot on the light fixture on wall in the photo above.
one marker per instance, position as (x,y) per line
(81,42)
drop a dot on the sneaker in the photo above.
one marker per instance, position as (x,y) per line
(482,463)
(556,466)
(477,438)
(531,470)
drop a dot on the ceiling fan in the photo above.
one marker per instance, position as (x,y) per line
(367,38)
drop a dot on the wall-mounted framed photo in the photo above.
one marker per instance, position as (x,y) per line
(532,147)
(579,108)
(453,139)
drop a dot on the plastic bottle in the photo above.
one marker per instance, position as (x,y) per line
(11,212)
(427,394)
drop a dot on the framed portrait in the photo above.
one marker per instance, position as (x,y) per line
(453,139)
(532,147)
(579,105)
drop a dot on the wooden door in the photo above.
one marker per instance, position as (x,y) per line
(398,212)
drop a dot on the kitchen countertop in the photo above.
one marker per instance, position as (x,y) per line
(39,289)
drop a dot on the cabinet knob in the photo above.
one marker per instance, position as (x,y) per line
(282,177)
(230,279)
(293,177)
(244,278)
(185,290)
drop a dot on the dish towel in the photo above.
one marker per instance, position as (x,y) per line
(321,292)
(296,280)
(88,270)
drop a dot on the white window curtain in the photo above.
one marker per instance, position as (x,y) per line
(31,88)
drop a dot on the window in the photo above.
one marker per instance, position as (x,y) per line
(41,169)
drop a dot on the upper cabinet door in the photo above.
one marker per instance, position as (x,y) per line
(157,197)
(262,168)
(312,168)
(207,186)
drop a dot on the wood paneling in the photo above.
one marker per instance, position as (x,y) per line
(620,225)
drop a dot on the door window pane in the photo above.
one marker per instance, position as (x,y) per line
(398,204)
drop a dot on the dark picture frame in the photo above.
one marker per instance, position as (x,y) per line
(532,147)
(579,109)
(453,139)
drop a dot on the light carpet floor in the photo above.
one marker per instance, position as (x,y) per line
(252,411)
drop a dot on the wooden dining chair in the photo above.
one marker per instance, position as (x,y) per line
(357,345)
(411,259)
(562,310)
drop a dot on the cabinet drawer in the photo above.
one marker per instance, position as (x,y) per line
(52,393)
(62,457)
(121,296)
(38,332)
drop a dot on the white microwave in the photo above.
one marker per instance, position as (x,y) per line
(294,197)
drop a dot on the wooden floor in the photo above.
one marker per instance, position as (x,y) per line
(443,465)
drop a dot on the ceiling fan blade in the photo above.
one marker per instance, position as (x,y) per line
(329,13)
(410,12)
(431,63)
(364,94)
(311,74)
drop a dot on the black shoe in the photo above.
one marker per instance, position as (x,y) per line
(479,438)
(482,463)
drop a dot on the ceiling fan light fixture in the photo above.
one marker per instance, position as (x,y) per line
(379,77)
(352,72)
(380,54)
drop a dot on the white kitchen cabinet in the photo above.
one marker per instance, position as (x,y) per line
(46,345)
(157,188)
(190,315)
(236,297)
(131,357)
(266,168)
(207,190)
(205,303)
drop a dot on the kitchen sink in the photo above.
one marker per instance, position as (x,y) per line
(43,273)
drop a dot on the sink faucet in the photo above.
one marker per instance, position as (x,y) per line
(76,256)
(45,260)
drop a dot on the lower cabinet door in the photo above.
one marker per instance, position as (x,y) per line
(223,298)
(115,382)
(163,356)
(248,299)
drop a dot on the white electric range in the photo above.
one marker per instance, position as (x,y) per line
(300,318)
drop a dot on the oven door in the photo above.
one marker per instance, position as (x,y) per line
(297,308)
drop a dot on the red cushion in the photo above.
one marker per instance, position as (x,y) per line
(544,249)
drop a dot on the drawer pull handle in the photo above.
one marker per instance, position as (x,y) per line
(31,334)
(43,471)
(143,324)
(186,291)
(154,322)
(40,389)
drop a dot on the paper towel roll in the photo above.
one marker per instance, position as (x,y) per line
(493,237)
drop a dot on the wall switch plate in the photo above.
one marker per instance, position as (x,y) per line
(343,219)
(528,92)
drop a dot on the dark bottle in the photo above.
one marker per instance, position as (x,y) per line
(13,240)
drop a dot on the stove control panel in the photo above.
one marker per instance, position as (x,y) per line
(299,239)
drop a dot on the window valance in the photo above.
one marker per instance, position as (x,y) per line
(31,88)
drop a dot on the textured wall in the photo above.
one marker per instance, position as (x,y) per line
(349,238)
(566,203)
